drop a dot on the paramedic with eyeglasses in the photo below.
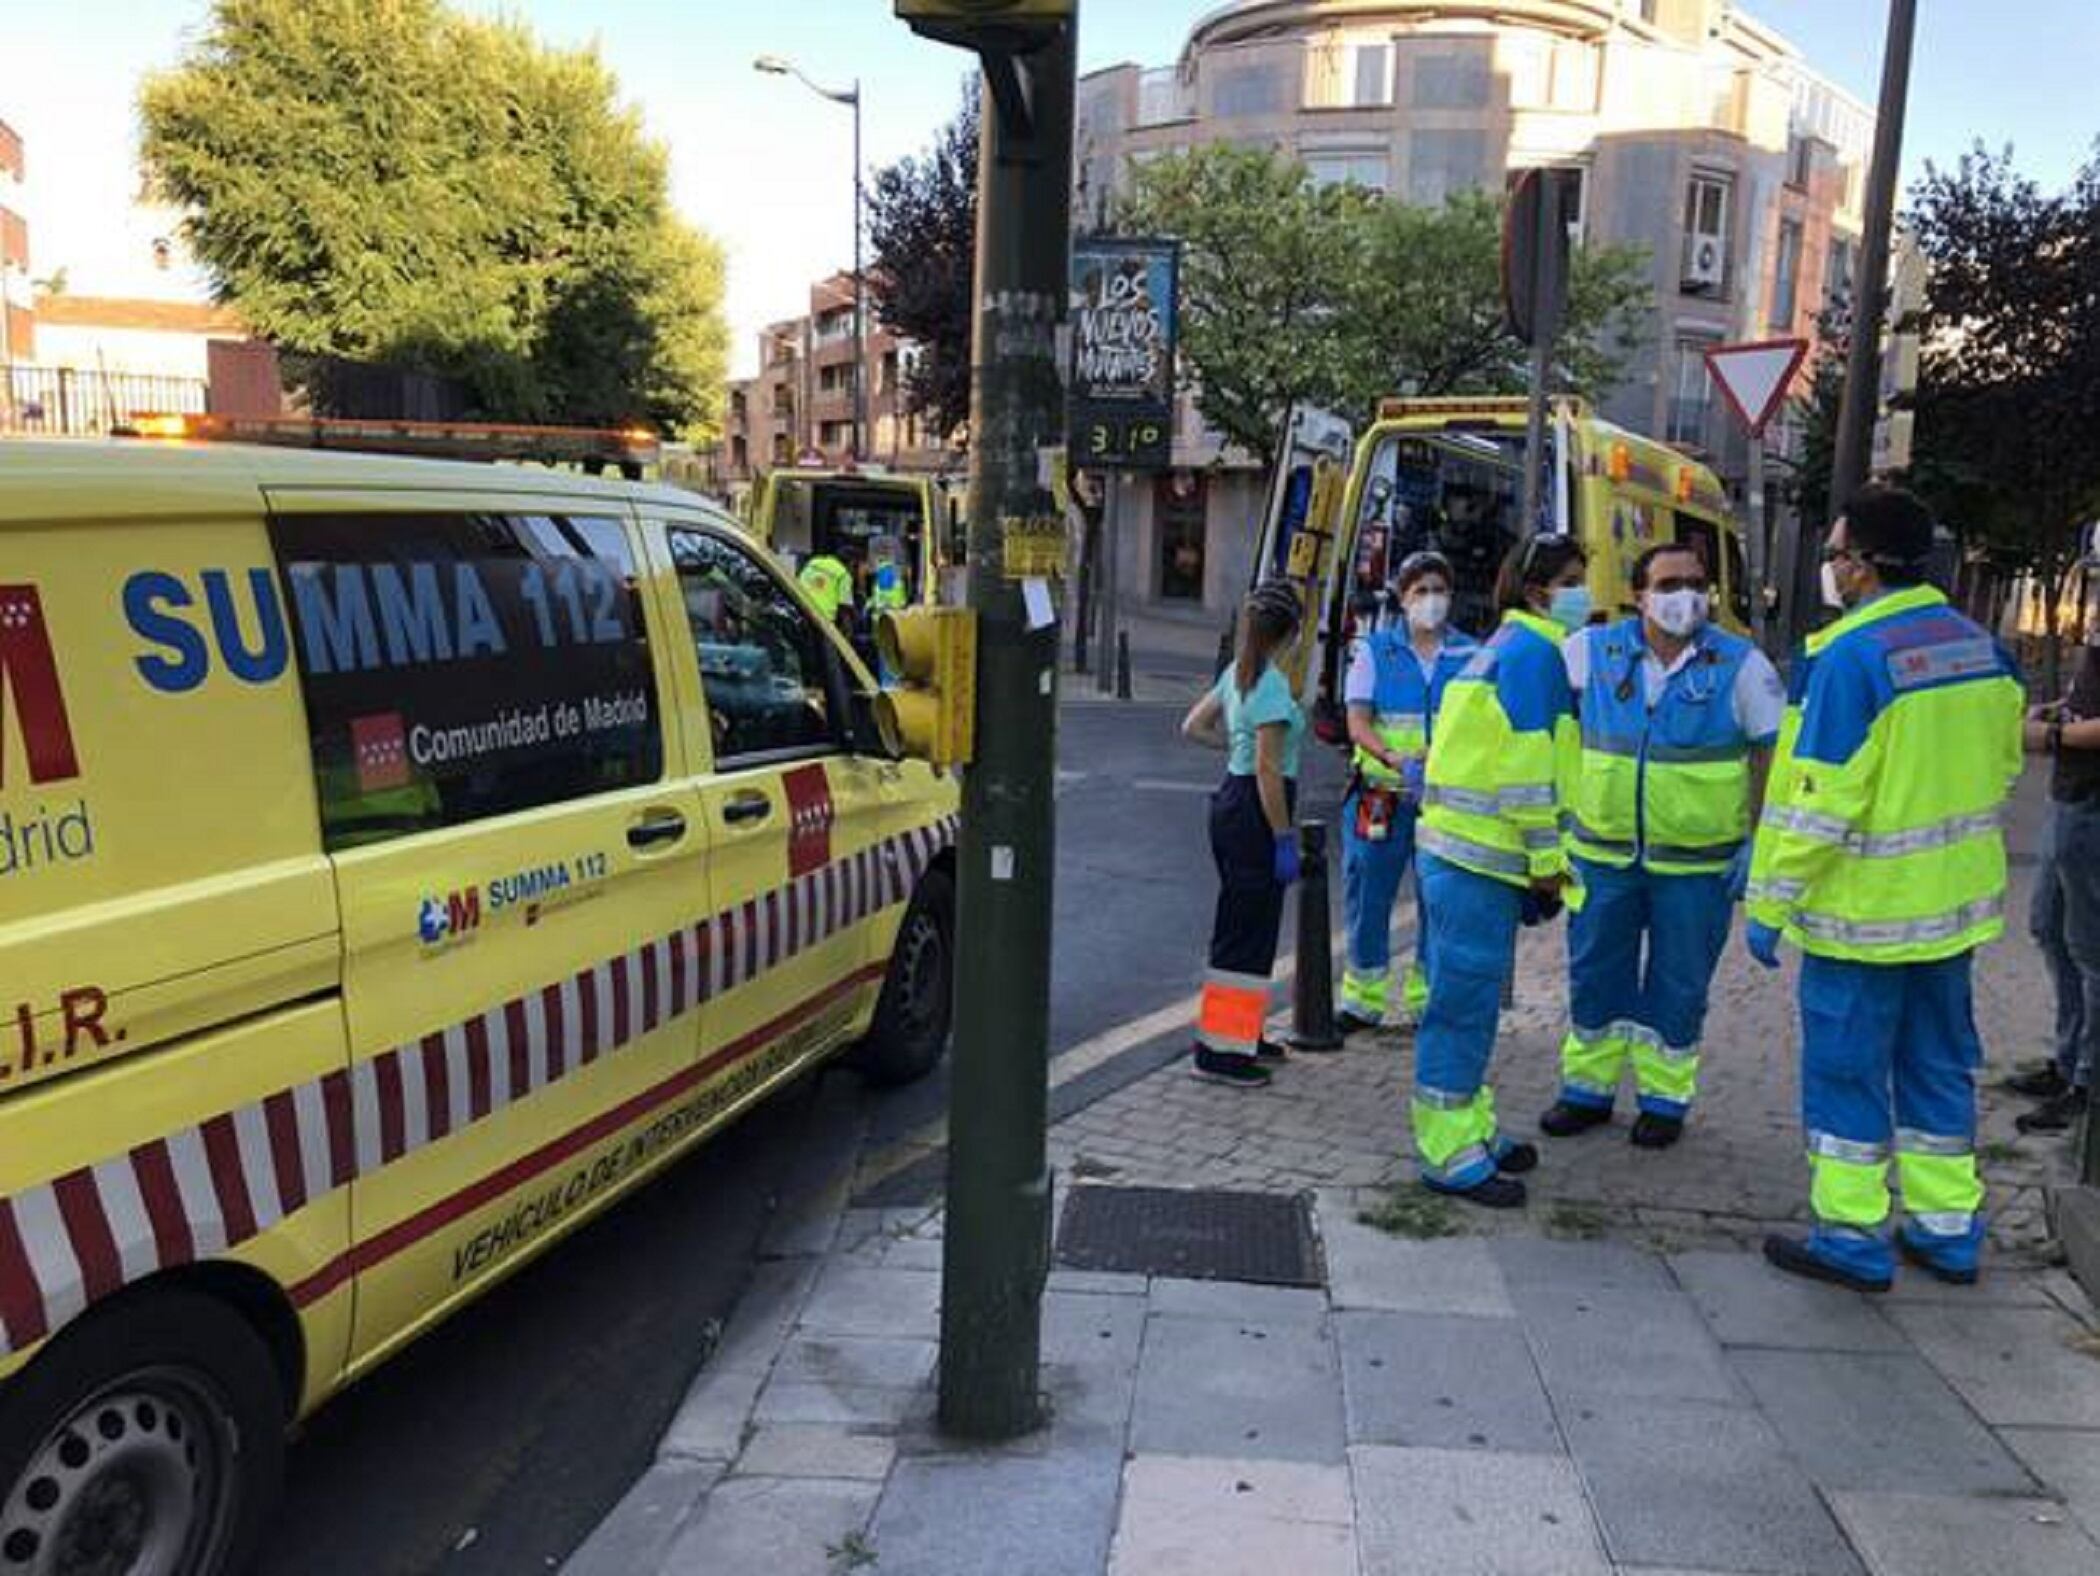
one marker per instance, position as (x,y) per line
(1678,719)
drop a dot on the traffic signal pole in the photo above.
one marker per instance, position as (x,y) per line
(997,1233)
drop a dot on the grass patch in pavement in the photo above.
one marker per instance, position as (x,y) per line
(1413,1212)
(1575,1223)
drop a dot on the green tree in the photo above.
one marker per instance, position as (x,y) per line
(389,181)
(1266,264)
(922,228)
(1339,297)
(1426,310)
(2009,385)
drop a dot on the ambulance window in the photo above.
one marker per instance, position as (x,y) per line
(1701,537)
(762,659)
(462,666)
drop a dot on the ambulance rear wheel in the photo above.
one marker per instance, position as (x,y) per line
(146,1441)
(910,1032)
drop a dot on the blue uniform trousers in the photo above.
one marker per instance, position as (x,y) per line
(1889,1056)
(1371,875)
(1473,922)
(1642,949)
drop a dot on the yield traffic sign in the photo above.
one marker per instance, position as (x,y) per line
(1755,376)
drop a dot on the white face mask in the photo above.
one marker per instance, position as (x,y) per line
(1428,611)
(1678,613)
(1832,596)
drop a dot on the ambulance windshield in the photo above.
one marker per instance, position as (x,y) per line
(1457,492)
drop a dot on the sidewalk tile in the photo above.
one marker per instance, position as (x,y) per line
(1996,1288)
(1644,1345)
(1877,1421)
(709,1423)
(856,1360)
(2067,1461)
(1201,1516)
(1471,1513)
(2012,1364)
(1748,1303)
(781,1526)
(1235,1300)
(1094,1328)
(1105,1282)
(843,1405)
(1001,1514)
(639,1529)
(855,1299)
(1701,1486)
(1369,1268)
(1458,1383)
(1932,1535)
(1599,1266)
(765,1314)
(1211,1385)
(816,1450)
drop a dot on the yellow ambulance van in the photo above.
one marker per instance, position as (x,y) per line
(399,861)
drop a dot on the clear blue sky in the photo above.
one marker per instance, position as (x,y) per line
(765,167)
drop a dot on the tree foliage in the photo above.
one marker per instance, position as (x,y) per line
(922,230)
(2009,383)
(389,181)
(1339,297)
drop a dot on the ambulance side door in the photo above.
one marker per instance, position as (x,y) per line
(795,819)
(519,865)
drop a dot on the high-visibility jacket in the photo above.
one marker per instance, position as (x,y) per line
(1503,757)
(1404,703)
(1883,837)
(1668,788)
(829,584)
(886,589)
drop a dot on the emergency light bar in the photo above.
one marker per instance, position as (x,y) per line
(1470,408)
(450,440)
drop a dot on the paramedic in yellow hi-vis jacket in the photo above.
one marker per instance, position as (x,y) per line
(1882,857)
(1678,720)
(1489,843)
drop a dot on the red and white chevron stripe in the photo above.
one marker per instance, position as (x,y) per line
(203,1189)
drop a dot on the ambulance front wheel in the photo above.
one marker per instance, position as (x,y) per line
(910,1032)
(148,1440)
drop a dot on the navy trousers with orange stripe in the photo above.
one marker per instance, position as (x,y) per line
(1249,918)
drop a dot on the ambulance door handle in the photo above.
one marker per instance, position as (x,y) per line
(655,829)
(747,807)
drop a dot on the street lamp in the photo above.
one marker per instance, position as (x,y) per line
(777,66)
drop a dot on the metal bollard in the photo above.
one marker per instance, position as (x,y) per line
(1122,664)
(1312,990)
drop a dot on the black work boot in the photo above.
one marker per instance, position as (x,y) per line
(2053,1115)
(1651,1131)
(1564,1119)
(1494,1191)
(2045,1082)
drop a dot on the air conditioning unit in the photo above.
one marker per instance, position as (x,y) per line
(1704,263)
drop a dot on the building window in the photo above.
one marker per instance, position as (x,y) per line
(1786,280)
(1373,75)
(1247,91)
(1442,163)
(1452,80)
(1800,161)
(1648,10)
(1838,285)
(1334,167)
(783,449)
(1181,506)
(1691,392)
(1706,204)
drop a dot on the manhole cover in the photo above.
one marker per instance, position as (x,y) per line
(1264,1238)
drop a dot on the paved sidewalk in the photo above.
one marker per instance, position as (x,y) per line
(1510,1406)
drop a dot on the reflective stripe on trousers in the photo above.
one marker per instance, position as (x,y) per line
(1235,1008)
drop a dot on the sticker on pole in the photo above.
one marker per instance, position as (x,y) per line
(1755,377)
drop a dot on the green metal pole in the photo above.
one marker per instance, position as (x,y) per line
(997,1234)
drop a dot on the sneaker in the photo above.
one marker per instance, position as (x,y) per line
(1513,1157)
(1798,1258)
(1563,1120)
(2054,1115)
(1272,1053)
(1245,1072)
(1495,1191)
(1651,1131)
(2045,1082)
(1347,1022)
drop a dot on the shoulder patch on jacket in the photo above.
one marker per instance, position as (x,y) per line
(1919,666)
